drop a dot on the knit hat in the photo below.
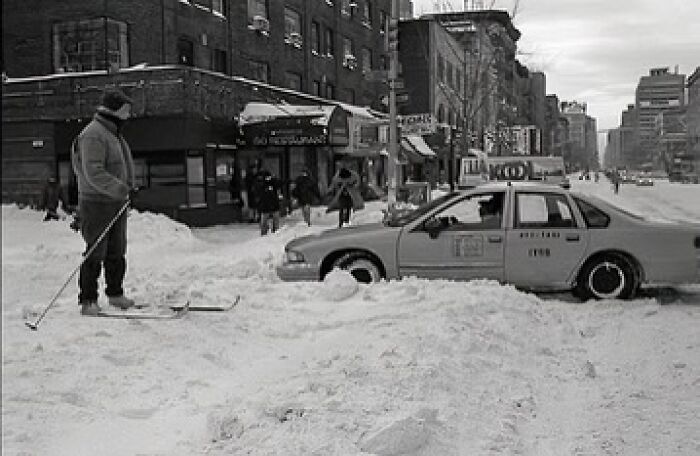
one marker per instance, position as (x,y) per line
(113,99)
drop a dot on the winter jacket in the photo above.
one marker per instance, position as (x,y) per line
(268,197)
(305,189)
(345,183)
(102,162)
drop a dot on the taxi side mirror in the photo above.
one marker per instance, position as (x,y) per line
(433,226)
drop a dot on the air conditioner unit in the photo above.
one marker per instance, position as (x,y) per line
(261,24)
(350,61)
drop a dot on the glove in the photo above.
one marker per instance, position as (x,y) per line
(132,193)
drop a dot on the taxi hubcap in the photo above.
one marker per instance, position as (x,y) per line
(606,280)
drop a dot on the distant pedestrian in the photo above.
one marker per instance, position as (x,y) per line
(345,191)
(234,188)
(615,177)
(268,201)
(305,191)
(51,196)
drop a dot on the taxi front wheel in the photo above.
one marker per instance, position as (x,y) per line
(609,276)
(360,266)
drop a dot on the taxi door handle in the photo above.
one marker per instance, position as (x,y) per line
(495,239)
(573,237)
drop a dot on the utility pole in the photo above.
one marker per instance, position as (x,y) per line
(393,48)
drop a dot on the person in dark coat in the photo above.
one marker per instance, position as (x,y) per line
(305,190)
(51,196)
(345,191)
(268,187)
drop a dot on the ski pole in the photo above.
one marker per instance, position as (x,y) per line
(34,326)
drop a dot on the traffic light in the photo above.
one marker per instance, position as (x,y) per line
(392,35)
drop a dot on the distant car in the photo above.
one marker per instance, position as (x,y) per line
(644,181)
(535,236)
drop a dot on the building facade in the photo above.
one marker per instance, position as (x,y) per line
(192,67)
(582,136)
(657,92)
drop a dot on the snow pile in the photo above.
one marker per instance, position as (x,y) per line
(412,367)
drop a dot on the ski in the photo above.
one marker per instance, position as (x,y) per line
(130,315)
(208,308)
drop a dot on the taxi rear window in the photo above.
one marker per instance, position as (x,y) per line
(594,217)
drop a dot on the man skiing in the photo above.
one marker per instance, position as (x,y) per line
(104,168)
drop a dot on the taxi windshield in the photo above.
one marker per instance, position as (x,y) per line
(404,217)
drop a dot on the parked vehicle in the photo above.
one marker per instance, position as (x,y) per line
(644,180)
(535,236)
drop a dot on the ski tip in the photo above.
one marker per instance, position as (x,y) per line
(31,326)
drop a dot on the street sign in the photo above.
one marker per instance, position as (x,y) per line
(417,124)
(397,83)
(402,97)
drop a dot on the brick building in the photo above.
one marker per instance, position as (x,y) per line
(192,67)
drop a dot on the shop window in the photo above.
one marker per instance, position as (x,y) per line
(225,172)
(185,51)
(218,63)
(329,42)
(195,181)
(96,44)
(166,182)
(260,71)
(292,80)
(315,38)
(292,28)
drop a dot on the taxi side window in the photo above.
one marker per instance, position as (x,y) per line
(477,212)
(543,210)
(594,217)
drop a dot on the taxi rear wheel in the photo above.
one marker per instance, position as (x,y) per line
(609,276)
(360,265)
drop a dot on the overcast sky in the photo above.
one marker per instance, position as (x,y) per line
(595,51)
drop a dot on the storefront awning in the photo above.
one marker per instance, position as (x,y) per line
(416,149)
(267,124)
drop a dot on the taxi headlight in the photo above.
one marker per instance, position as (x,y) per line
(294,257)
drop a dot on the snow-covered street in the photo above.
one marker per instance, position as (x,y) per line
(411,367)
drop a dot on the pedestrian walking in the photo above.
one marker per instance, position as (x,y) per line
(345,191)
(104,168)
(615,177)
(268,201)
(51,196)
(305,191)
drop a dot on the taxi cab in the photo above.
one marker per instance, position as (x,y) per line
(534,236)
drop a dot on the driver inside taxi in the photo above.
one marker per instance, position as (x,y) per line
(490,213)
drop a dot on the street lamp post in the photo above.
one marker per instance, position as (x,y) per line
(392,39)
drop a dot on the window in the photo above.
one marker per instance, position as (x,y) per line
(543,210)
(441,114)
(195,181)
(316,88)
(257,8)
(367,13)
(594,217)
(329,42)
(366,60)
(292,28)
(448,74)
(383,21)
(292,80)
(218,61)
(383,62)
(477,212)
(260,71)
(225,173)
(348,7)
(330,91)
(315,37)
(96,44)
(348,50)
(348,96)
(458,80)
(185,51)
(440,68)
(217,7)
